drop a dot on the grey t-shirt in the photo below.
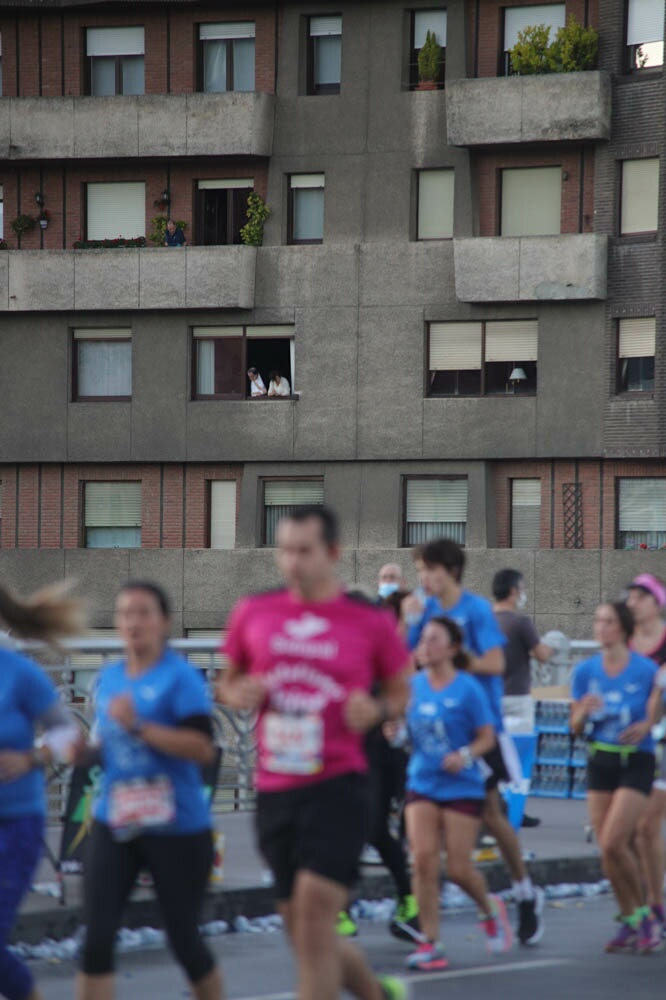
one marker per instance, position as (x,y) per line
(521,636)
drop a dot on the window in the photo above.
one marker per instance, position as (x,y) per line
(114,210)
(282,496)
(226,57)
(640,196)
(435,204)
(0,65)
(435,508)
(306,213)
(102,364)
(423,21)
(222,210)
(641,519)
(324,55)
(2,211)
(472,359)
(525,513)
(635,354)
(645,34)
(222,514)
(115,61)
(223,354)
(112,515)
(531,201)
(516,19)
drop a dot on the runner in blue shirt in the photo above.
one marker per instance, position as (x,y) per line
(451,728)
(440,566)
(154,731)
(612,694)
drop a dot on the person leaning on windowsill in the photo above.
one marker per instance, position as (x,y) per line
(278,385)
(174,235)
(257,387)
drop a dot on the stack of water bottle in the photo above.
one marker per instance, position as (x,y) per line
(560,763)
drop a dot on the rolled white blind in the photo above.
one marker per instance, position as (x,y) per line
(204,659)
(516,19)
(512,340)
(270,331)
(526,492)
(116,210)
(326,26)
(230,29)
(115,41)
(640,196)
(438,500)
(210,332)
(637,337)
(287,492)
(226,184)
(429,20)
(642,504)
(223,514)
(112,505)
(307,180)
(645,21)
(455,347)
(531,201)
(526,513)
(102,333)
(436,192)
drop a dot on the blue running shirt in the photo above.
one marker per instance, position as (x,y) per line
(625,697)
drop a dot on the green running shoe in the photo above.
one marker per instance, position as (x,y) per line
(346,927)
(405,923)
(393,989)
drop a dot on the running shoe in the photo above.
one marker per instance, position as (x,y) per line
(346,927)
(625,941)
(393,989)
(428,957)
(649,937)
(405,924)
(530,918)
(371,856)
(499,936)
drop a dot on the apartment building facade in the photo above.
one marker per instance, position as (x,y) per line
(461,285)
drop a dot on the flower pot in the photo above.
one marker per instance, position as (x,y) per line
(43,223)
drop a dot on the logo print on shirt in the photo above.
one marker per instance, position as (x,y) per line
(307,627)
(632,688)
(149,693)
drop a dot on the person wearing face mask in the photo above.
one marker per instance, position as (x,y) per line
(390,580)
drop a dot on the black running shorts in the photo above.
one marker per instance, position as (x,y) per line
(320,828)
(607,771)
(499,771)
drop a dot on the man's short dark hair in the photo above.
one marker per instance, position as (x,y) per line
(252,371)
(504,582)
(327,519)
(444,552)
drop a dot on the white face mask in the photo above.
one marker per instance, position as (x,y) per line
(386,589)
(522,600)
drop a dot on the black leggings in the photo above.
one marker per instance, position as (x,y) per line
(180,866)
(387,782)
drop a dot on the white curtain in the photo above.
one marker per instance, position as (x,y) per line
(104,368)
(309,214)
(215,67)
(205,367)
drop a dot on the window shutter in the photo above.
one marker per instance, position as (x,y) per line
(637,337)
(116,210)
(512,340)
(112,505)
(531,201)
(429,20)
(455,347)
(210,332)
(283,330)
(231,29)
(640,196)
(516,19)
(525,513)
(226,184)
(645,21)
(307,181)
(223,514)
(436,190)
(205,660)
(642,504)
(283,493)
(102,333)
(115,41)
(325,26)
(436,500)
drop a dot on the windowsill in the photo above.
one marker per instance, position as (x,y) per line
(638,238)
(479,395)
(102,399)
(246,399)
(634,75)
(305,243)
(434,239)
(635,395)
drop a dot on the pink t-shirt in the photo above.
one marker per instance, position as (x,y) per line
(311,656)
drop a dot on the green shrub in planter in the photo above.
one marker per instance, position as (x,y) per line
(574,49)
(532,52)
(429,57)
(252,233)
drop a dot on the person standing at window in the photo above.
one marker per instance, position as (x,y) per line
(174,235)
(278,385)
(257,387)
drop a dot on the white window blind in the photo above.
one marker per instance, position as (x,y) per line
(87,665)
(525,513)
(102,333)
(429,20)
(516,19)
(223,514)
(282,330)
(531,201)
(115,41)
(640,196)
(325,26)
(211,332)
(226,184)
(642,505)
(216,660)
(436,500)
(436,192)
(280,493)
(455,346)
(230,29)
(637,337)
(112,505)
(104,368)
(645,21)
(116,210)
(512,340)
(307,180)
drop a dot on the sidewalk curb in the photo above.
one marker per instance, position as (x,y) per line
(58,922)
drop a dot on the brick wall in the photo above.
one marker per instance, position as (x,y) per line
(42,504)
(43,53)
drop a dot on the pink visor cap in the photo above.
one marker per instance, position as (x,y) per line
(653,586)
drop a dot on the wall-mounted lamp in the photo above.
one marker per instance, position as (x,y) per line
(166,197)
(43,214)
(39,198)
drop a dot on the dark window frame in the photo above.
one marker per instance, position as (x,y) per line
(643,235)
(630,53)
(119,76)
(482,393)
(197,213)
(229,397)
(228,42)
(413,63)
(616,520)
(291,204)
(499,179)
(82,508)
(261,506)
(504,55)
(518,479)
(405,479)
(313,89)
(429,170)
(76,397)
(619,391)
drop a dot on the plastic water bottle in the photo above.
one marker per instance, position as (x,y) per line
(595,689)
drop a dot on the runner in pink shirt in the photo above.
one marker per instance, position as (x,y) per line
(306,658)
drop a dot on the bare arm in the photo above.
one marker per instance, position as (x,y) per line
(542,652)
(239,690)
(189,744)
(491,664)
(484,741)
(363,712)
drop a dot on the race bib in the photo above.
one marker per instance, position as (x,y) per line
(139,805)
(293,744)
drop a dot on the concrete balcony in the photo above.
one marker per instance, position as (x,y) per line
(65,128)
(557,107)
(147,278)
(531,268)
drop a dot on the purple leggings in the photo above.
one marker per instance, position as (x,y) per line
(20,848)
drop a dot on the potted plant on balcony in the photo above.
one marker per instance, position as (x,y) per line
(252,233)
(429,58)
(43,218)
(573,50)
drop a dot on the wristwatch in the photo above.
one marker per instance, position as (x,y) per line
(136,728)
(467,759)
